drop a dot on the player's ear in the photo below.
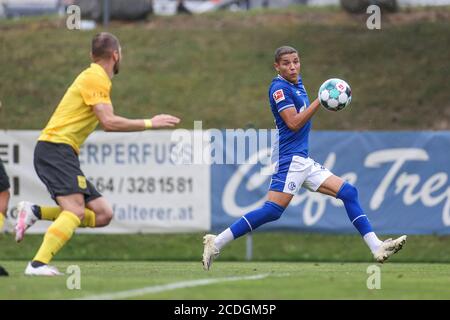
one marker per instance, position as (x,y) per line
(119,53)
(276,66)
(116,55)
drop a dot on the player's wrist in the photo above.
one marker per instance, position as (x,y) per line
(148,124)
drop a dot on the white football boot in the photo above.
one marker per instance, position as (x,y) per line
(25,219)
(45,270)
(388,248)
(210,251)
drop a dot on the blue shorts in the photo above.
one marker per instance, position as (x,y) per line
(294,172)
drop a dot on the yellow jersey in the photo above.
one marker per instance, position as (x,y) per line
(74,118)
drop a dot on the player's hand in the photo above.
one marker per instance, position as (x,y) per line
(164,120)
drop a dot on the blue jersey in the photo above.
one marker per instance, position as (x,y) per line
(282,95)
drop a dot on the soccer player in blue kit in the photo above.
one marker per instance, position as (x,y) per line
(294,168)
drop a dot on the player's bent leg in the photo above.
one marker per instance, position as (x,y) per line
(337,187)
(103,212)
(280,198)
(331,185)
(58,234)
(52,213)
(28,213)
(381,250)
(73,203)
(270,211)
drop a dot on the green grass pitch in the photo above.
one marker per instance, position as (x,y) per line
(230,280)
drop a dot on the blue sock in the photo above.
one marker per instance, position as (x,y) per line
(349,195)
(270,211)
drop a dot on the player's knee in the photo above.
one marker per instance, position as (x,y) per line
(353,192)
(103,217)
(275,211)
(79,212)
(274,215)
(108,215)
(348,192)
(270,211)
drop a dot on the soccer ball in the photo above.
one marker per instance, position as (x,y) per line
(335,94)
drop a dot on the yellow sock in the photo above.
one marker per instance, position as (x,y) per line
(51,213)
(57,235)
(88,220)
(2,220)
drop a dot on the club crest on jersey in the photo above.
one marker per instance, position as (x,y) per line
(278,96)
(303,108)
(82,182)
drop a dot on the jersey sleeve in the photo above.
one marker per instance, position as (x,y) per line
(282,98)
(94,89)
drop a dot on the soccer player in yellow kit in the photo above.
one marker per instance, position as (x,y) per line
(86,103)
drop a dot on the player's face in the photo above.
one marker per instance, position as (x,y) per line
(117,57)
(289,67)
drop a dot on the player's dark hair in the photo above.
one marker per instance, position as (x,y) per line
(103,45)
(281,51)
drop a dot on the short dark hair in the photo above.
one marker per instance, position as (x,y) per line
(103,45)
(281,51)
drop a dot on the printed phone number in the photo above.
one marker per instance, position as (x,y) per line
(143,185)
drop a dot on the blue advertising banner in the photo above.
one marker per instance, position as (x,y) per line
(402,179)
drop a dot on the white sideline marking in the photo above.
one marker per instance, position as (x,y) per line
(166,287)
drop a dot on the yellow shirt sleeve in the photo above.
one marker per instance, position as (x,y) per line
(94,89)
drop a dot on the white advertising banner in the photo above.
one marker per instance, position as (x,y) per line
(133,171)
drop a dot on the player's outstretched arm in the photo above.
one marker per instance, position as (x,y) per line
(111,122)
(296,120)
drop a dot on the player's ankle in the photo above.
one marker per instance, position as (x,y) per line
(36,211)
(37,264)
